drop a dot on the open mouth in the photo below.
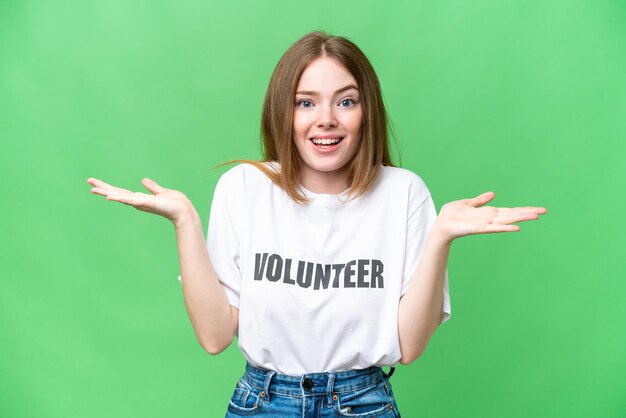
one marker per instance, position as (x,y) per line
(326,143)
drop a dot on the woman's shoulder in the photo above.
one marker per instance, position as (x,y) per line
(404,184)
(402,177)
(248,174)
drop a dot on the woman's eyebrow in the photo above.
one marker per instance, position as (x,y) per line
(316,93)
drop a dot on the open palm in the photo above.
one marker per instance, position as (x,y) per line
(468,216)
(168,203)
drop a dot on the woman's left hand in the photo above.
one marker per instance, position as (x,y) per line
(468,216)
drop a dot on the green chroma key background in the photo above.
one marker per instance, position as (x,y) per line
(525,98)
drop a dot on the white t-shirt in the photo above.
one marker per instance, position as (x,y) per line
(318,286)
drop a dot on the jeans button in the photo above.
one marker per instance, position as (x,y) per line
(307,384)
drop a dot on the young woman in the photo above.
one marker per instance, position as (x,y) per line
(326,260)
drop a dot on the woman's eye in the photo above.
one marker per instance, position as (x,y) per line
(305,103)
(348,101)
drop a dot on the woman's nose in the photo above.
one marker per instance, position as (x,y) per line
(326,117)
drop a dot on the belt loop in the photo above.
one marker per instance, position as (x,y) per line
(266,385)
(330,387)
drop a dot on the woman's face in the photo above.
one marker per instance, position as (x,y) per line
(326,124)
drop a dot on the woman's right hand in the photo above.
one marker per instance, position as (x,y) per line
(168,203)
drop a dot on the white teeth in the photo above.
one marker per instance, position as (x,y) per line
(328,141)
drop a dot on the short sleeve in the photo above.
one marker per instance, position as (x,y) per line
(223,235)
(422,215)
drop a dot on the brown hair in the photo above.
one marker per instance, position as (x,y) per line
(278,109)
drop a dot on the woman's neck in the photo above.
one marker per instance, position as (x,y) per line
(325,183)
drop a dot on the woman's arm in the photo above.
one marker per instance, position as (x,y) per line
(419,313)
(420,308)
(213,319)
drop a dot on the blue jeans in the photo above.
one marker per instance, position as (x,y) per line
(351,393)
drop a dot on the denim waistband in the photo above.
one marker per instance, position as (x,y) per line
(311,384)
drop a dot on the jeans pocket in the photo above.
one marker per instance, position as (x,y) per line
(244,400)
(369,402)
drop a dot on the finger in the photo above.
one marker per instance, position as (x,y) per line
(99,183)
(537,209)
(482,199)
(106,192)
(152,186)
(120,198)
(494,228)
(132,199)
(517,217)
(522,209)
(100,191)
